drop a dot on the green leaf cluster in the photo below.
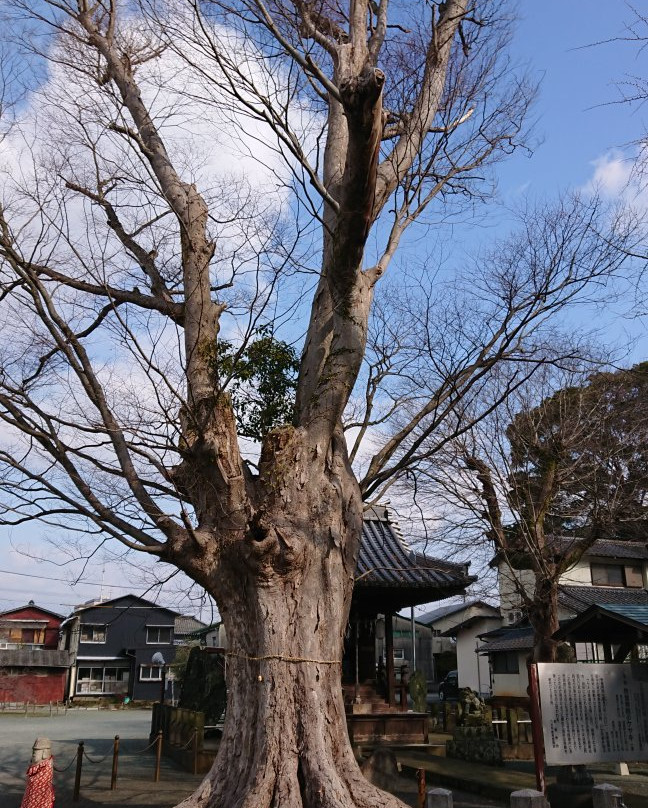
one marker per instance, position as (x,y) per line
(262,381)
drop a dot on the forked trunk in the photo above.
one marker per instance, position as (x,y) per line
(284,594)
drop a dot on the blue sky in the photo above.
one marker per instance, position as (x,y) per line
(575,119)
(580,133)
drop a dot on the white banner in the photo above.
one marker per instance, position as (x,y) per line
(594,713)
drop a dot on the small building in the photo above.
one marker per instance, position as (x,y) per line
(423,659)
(32,668)
(610,575)
(456,629)
(120,648)
(473,669)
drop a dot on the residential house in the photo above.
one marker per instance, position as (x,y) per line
(32,668)
(186,628)
(422,660)
(463,624)
(611,574)
(120,648)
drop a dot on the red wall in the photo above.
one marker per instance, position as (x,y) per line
(31,687)
(34,613)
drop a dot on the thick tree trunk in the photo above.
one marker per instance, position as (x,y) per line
(284,592)
(543,616)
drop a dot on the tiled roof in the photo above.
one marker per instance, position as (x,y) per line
(578,598)
(469,622)
(638,613)
(385,560)
(185,624)
(609,548)
(510,639)
(601,548)
(446,611)
(391,576)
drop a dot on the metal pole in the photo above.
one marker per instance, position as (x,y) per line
(413,624)
(163,685)
(115,761)
(195,751)
(357,661)
(77,776)
(158,756)
(536,728)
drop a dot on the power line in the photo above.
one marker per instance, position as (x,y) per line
(70,583)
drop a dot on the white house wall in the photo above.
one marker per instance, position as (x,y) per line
(512,684)
(473,669)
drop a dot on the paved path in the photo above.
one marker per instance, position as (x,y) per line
(473,786)
(136,788)
(497,783)
(97,728)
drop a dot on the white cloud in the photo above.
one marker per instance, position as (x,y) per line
(613,175)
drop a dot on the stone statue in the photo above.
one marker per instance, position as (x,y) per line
(39,792)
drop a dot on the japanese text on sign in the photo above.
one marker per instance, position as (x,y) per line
(593,713)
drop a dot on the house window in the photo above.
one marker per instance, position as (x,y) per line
(93,633)
(159,635)
(505,662)
(100,680)
(617,575)
(150,673)
(399,654)
(634,576)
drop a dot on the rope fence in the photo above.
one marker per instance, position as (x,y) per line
(81,754)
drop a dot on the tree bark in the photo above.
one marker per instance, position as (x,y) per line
(543,616)
(283,590)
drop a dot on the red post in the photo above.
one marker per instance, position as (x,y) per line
(536,728)
(420,776)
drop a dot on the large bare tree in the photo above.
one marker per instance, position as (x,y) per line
(122,258)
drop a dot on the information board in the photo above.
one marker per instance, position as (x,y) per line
(594,712)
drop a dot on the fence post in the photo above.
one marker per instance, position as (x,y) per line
(438,798)
(420,777)
(77,776)
(528,798)
(158,756)
(605,795)
(113,774)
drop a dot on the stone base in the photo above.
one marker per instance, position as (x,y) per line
(475,744)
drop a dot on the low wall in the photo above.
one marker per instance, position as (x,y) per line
(35,688)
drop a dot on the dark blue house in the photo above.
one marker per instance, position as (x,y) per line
(120,648)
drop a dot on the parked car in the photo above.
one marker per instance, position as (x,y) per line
(449,687)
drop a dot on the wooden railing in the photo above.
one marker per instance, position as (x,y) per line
(183,736)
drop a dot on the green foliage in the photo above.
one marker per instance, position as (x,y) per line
(262,380)
(580,459)
(179,664)
(203,686)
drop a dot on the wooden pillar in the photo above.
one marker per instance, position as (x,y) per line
(389,661)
